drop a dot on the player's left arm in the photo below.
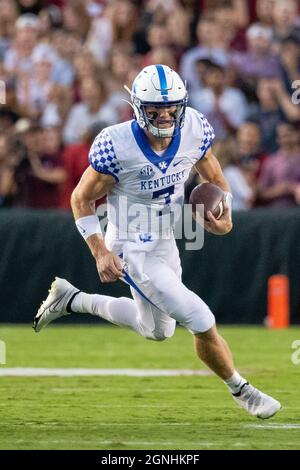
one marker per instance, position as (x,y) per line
(210,170)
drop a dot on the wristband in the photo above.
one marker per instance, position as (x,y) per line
(88,226)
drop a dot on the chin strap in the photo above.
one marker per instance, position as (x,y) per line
(161,132)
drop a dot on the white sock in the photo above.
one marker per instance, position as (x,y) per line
(235,382)
(120,311)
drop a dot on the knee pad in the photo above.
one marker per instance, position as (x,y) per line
(194,315)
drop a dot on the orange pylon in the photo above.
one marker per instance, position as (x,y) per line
(278,302)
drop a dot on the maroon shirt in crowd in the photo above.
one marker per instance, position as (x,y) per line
(281,167)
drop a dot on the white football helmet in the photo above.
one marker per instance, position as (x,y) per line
(158,85)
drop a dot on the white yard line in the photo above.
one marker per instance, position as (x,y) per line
(78,372)
(55,424)
(274,426)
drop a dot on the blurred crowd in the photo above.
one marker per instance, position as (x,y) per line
(63,64)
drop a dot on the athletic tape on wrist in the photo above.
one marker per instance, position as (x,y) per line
(88,226)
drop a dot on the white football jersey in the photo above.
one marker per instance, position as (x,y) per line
(148,184)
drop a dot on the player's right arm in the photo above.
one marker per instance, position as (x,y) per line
(93,186)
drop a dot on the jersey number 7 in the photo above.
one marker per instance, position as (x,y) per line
(166,191)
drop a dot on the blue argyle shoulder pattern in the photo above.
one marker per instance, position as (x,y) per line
(102,156)
(208,136)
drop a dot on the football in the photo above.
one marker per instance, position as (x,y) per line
(211,196)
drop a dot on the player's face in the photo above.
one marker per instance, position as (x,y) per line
(162,117)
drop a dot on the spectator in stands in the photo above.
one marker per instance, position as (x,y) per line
(41,174)
(239,9)
(275,105)
(85,65)
(264,12)
(169,26)
(8,17)
(156,11)
(118,25)
(225,107)
(116,76)
(249,144)
(75,161)
(94,107)
(57,107)
(259,61)
(157,37)
(120,64)
(286,20)
(66,47)
(7,180)
(279,182)
(208,47)
(240,176)
(62,71)
(178,30)
(232,37)
(33,89)
(18,57)
(124,21)
(76,19)
(50,18)
(290,61)
(25,140)
(100,33)
(242,171)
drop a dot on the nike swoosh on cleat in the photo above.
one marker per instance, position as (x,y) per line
(238,394)
(37,318)
(177,163)
(54,305)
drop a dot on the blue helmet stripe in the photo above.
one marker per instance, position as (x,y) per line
(162,80)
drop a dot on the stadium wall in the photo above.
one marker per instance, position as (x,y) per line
(230,273)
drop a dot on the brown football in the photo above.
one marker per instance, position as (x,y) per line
(211,196)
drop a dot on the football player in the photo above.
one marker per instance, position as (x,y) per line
(145,162)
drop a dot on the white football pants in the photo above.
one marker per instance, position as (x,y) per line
(154,268)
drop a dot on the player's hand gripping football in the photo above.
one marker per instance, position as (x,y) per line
(221,226)
(109,267)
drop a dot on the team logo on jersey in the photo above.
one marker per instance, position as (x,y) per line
(146,237)
(163,165)
(147,172)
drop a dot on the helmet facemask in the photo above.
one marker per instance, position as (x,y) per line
(149,121)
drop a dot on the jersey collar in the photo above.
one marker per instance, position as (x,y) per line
(161,162)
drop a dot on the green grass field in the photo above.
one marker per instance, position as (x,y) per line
(148,412)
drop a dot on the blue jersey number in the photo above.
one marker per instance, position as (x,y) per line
(166,191)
